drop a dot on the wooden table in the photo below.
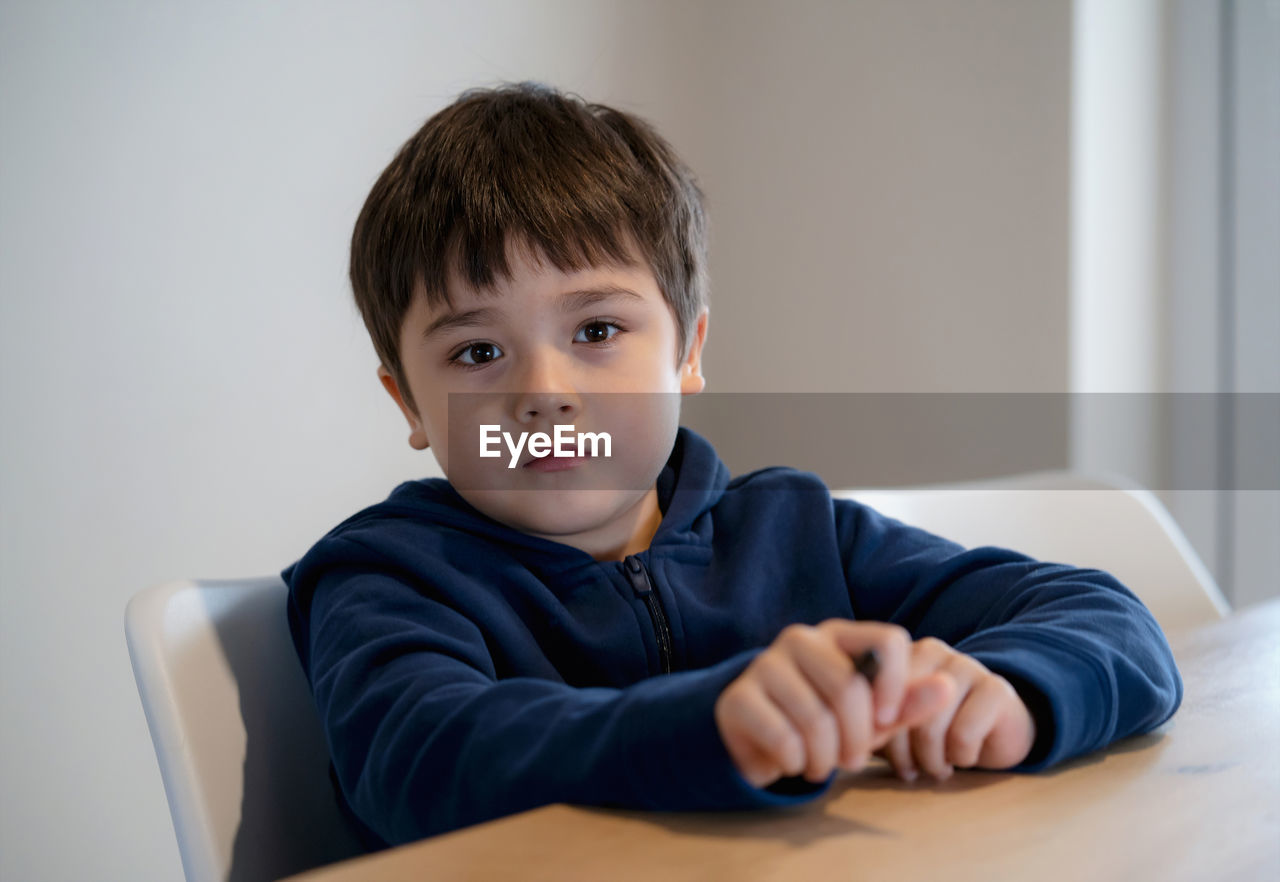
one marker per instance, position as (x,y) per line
(1197,799)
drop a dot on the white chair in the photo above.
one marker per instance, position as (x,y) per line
(241,750)
(1068,518)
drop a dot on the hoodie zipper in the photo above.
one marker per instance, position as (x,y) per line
(643,586)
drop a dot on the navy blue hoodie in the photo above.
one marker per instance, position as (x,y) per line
(464,670)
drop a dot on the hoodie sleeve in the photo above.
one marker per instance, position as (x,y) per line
(425,738)
(1084,653)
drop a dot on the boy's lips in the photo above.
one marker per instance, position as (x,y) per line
(553,463)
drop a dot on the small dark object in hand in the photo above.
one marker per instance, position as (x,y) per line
(868,665)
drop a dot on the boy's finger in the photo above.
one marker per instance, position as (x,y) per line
(926,698)
(972,723)
(892,645)
(758,767)
(820,660)
(898,752)
(1013,734)
(754,719)
(928,738)
(829,671)
(926,747)
(854,711)
(806,711)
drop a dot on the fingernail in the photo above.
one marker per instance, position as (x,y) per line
(908,775)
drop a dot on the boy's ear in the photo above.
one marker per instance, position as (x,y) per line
(691,379)
(417,432)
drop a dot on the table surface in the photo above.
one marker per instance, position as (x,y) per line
(1199,798)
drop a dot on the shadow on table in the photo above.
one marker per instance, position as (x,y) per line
(794,826)
(806,823)
(1152,741)
(800,825)
(881,777)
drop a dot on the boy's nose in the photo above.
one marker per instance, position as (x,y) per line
(545,393)
(558,407)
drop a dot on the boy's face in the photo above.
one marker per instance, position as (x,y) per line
(594,349)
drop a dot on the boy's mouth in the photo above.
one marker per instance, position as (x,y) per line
(553,463)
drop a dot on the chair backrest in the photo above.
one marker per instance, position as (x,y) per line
(241,750)
(1068,518)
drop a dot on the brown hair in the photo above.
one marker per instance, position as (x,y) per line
(574,180)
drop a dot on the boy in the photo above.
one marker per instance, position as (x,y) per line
(628,626)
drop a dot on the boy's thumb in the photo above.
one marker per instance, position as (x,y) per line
(926,697)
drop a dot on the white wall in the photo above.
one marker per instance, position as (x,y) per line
(187,390)
(890,194)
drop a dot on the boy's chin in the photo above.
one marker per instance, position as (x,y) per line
(558,515)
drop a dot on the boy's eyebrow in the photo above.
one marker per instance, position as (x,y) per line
(570,301)
(470,319)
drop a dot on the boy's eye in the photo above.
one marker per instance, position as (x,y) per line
(474,354)
(597,332)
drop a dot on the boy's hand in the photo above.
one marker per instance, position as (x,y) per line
(799,708)
(985,725)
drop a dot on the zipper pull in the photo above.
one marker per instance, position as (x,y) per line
(636,574)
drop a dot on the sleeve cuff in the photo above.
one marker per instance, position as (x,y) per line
(682,743)
(1071,700)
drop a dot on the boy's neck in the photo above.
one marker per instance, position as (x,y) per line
(647,518)
(630,533)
